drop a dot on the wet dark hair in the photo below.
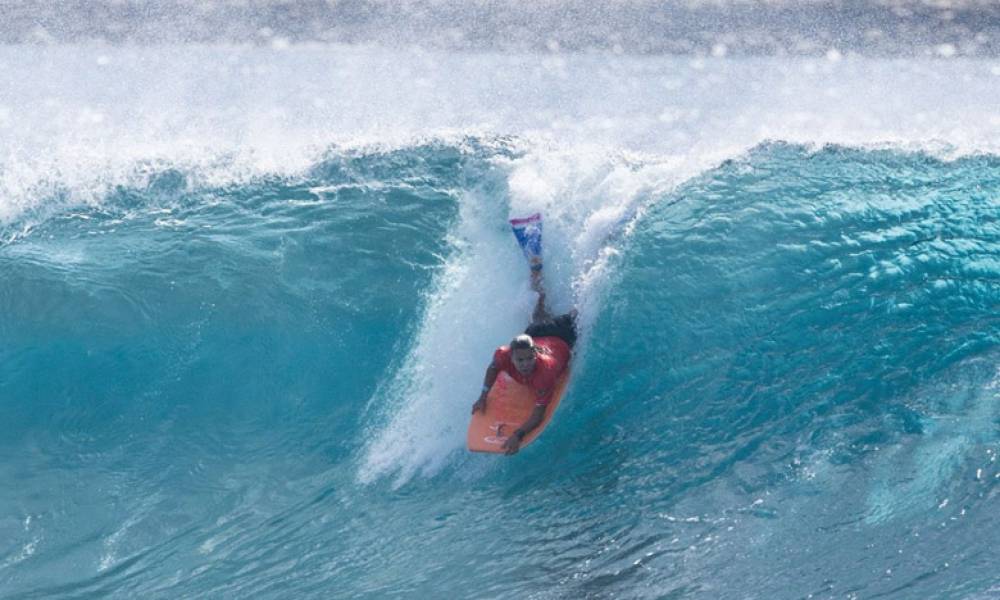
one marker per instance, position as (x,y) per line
(522,342)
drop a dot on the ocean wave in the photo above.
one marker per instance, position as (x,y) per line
(260,387)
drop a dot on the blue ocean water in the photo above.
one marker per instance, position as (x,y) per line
(248,297)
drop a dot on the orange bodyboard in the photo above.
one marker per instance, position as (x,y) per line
(508,406)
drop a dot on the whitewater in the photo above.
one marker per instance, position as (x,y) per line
(248,295)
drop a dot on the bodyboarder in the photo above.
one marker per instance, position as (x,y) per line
(535,358)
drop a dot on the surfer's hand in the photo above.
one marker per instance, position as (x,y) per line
(480,405)
(512,445)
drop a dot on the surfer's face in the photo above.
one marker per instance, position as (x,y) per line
(524,360)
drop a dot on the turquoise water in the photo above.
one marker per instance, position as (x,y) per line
(236,373)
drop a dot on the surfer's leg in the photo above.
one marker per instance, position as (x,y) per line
(541,313)
(536,280)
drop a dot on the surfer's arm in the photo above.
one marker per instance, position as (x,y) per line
(513,442)
(533,421)
(491,376)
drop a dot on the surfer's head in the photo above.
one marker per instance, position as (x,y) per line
(522,354)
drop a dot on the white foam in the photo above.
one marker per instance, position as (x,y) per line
(75,121)
(477,301)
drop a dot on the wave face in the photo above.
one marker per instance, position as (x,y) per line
(790,367)
(230,375)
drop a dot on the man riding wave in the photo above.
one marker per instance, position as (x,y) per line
(536,359)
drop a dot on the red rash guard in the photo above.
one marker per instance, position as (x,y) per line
(550,361)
